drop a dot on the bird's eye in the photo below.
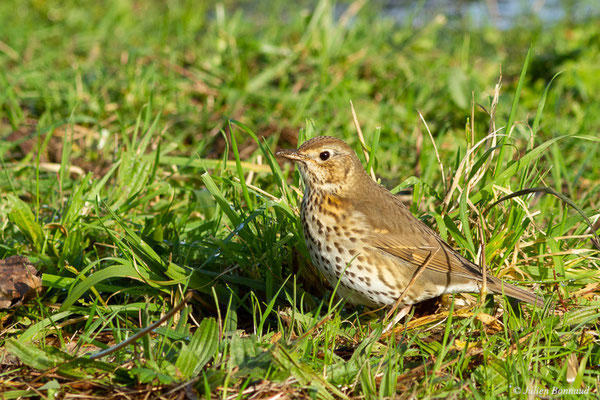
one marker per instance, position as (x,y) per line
(324,155)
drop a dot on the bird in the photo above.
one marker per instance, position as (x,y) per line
(368,244)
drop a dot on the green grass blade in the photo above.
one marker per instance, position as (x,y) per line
(513,111)
(20,214)
(201,349)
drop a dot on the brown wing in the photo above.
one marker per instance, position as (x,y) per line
(397,232)
(394,230)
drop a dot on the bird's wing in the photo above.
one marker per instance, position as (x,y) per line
(439,257)
(394,230)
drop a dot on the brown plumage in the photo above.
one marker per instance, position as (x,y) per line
(361,236)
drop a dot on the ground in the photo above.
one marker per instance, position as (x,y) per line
(137,166)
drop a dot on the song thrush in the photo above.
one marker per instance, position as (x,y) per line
(360,234)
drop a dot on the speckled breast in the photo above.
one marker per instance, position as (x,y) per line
(335,240)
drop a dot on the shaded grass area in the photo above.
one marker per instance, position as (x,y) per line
(137,165)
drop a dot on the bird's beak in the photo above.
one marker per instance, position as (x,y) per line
(291,154)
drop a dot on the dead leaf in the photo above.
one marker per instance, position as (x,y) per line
(18,280)
(572,367)
(461,344)
(490,321)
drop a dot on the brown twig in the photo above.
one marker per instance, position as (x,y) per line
(144,331)
(437,154)
(414,278)
(361,138)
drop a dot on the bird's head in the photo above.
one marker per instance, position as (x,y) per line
(327,164)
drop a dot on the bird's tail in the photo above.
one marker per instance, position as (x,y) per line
(498,286)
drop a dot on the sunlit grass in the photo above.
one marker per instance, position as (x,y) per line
(138,165)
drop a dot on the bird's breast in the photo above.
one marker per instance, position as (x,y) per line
(321,210)
(335,237)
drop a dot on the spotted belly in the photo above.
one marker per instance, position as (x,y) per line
(339,254)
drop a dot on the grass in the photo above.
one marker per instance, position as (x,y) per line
(137,166)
